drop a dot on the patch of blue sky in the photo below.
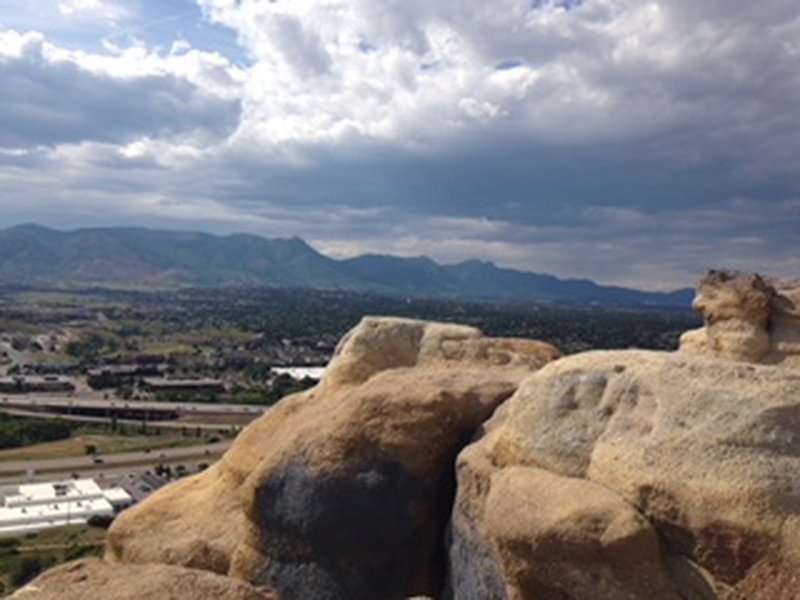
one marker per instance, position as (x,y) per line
(565,4)
(46,19)
(162,24)
(509,64)
(156,24)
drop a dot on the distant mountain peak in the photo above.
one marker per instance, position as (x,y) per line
(32,227)
(117,257)
(476,262)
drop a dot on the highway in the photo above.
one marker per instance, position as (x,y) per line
(131,412)
(76,401)
(163,415)
(89,406)
(107,465)
(176,424)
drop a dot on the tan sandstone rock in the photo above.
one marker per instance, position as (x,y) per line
(342,491)
(555,533)
(93,579)
(707,450)
(747,318)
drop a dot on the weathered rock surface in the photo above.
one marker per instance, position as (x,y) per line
(633,474)
(614,475)
(747,318)
(556,532)
(342,491)
(91,579)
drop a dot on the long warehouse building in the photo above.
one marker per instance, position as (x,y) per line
(37,506)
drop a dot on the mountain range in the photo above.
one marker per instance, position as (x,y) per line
(128,257)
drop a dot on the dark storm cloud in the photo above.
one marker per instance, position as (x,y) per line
(50,101)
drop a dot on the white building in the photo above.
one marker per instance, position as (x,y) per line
(300,372)
(35,506)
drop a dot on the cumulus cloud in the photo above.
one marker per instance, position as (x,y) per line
(52,96)
(106,10)
(621,140)
(595,71)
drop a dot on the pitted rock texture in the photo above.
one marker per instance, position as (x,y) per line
(748,318)
(633,474)
(91,579)
(343,491)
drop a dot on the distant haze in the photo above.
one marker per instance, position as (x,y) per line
(633,143)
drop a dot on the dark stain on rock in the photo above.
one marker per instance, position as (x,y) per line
(342,536)
(473,573)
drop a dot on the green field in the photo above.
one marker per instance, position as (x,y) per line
(23,557)
(105,444)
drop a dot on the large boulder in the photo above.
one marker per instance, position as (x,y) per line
(92,578)
(633,474)
(748,318)
(343,491)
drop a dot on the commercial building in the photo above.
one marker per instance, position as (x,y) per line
(28,384)
(183,386)
(36,506)
(110,376)
(300,372)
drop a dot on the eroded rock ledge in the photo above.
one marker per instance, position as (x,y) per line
(748,318)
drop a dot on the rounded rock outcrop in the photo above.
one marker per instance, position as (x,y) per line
(343,491)
(704,450)
(92,578)
(748,318)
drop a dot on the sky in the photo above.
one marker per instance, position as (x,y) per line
(631,142)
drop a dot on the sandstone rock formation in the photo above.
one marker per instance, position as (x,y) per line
(748,318)
(616,475)
(633,474)
(91,579)
(343,491)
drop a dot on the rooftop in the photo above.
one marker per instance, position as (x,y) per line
(34,506)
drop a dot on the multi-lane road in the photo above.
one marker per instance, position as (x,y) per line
(164,414)
(108,465)
(86,408)
(78,401)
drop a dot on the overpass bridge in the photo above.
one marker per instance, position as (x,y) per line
(91,409)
